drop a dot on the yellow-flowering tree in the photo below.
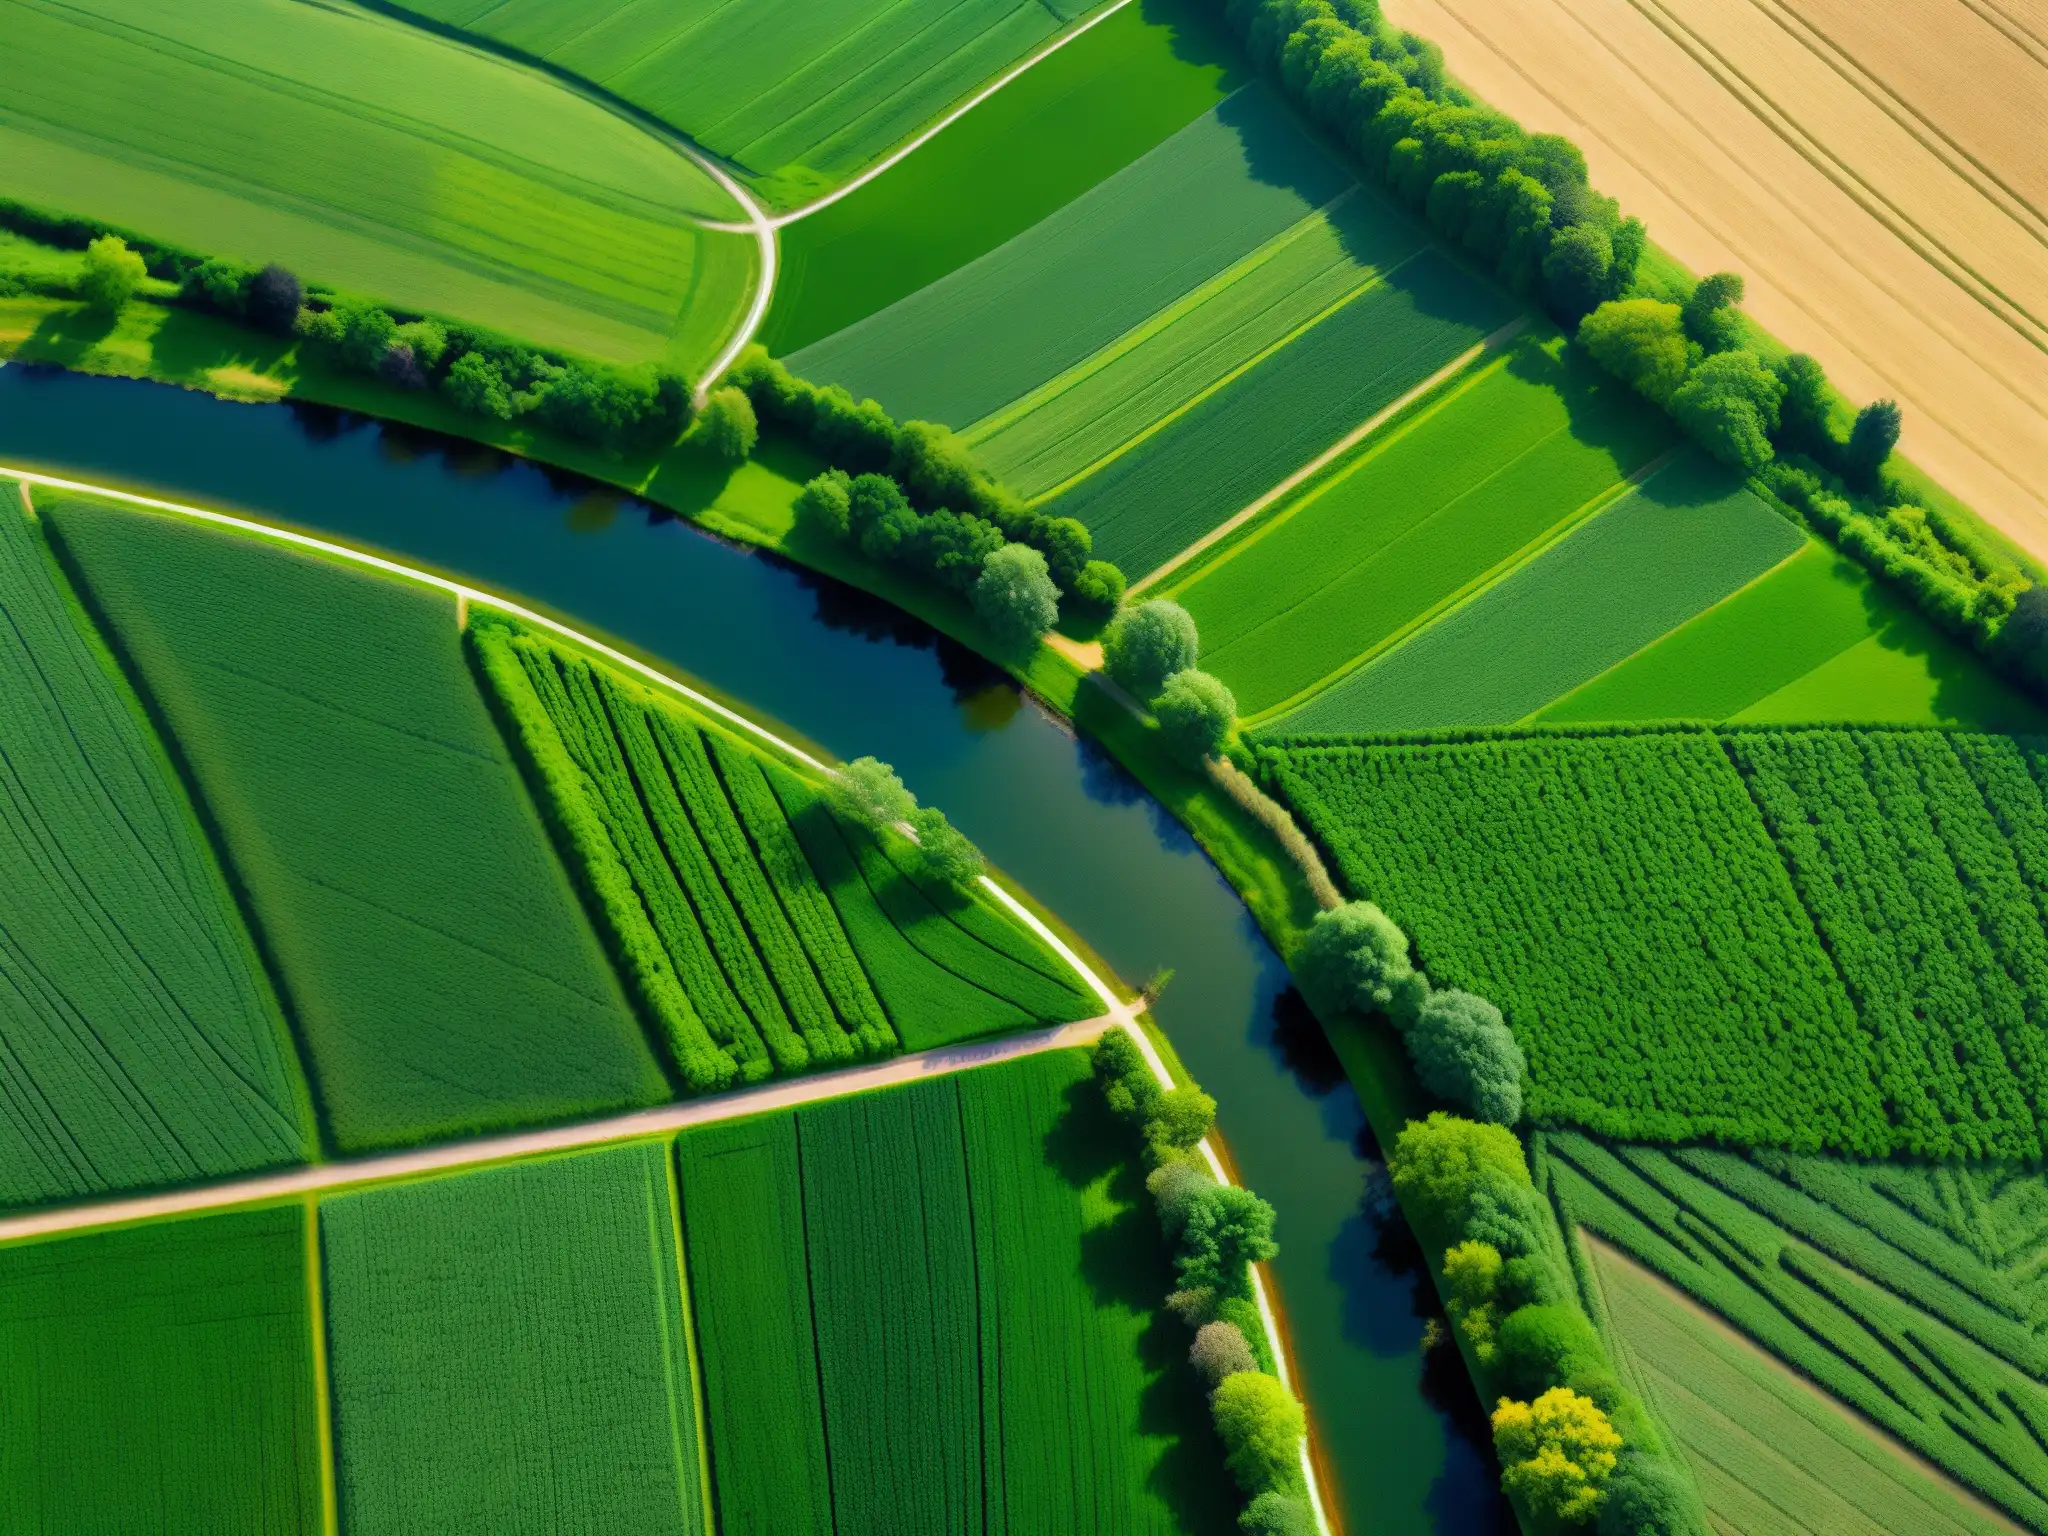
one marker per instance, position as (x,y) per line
(1472,1279)
(1556,1454)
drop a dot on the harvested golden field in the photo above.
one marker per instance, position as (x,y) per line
(1876,173)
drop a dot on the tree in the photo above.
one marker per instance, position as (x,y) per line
(1219,1351)
(944,854)
(1803,410)
(951,547)
(1175,1186)
(1274,1513)
(1540,1347)
(1196,714)
(1463,1051)
(474,384)
(868,791)
(1639,341)
(273,299)
(400,368)
(1148,644)
(1126,1078)
(822,504)
(1099,587)
(1471,1280)
(934,465)
(880,515)
(1015,597)
(1729,406)
(1437,1162)
(729,425)
(1647,1497)
(1710,316)
(1226,1229)
(1181,1118)
(113,274)
(366,334)
(1066,544)
(1871,442)
(218,284)
(1576,271)
(1356,957)
(1261,1426)
(1556,1454)
(1503,1210)
(2024,635)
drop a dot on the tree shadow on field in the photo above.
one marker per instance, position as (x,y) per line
(188,345)
(1127,1265)
(1601,411)
(65,336)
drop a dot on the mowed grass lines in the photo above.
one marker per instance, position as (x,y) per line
(1529,441)
(160,1378)
(509,1352)
(372,155)
(991,331)
(141,1042)
(1069,121)
(978,1275)
(1768,1451)
(1843,1271)
(796,92)
(1221,453)
(1686,538)
(442,972)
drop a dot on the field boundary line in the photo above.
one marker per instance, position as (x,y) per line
(1491,577)
(1158,321)
(1210,391)
(323,1410)
(1337,450)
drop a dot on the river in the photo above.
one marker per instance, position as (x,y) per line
(1398,1439)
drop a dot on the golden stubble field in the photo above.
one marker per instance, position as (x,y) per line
(1879,174)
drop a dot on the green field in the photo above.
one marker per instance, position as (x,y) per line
(1533,438)
(977,1365)
(768,938)
(799,94)
(442,973)
(989,332)
(1769,1451)
(1910,674)
(1911,1293)
(1686,538)
(160,1379)
(1041,141)
(141,1043)
(1206,464)
(371,155)
(1191,345)
(510,1354)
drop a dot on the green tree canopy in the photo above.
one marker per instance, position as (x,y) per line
(728,424)
(1196,713)
(1639,341)
(1871,441)
(944,853)
(1729,406)
(1356,957)
(1147,644)
(868,791)
(1463,1051)
(1261,1425)
(1015,597)
(824,504)
(1436,1162)
(113,274)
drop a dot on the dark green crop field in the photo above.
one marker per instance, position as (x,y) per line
(444,976)
(139,1041)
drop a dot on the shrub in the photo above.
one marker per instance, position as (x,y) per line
(1437,1162)
(219,285)
(1540,1347)
(1729,405)
(1099,587)
(1498,1208)
(474,384)
(1274,1513)
(1464,1052)
(728,423)
(428,340)
(1015,597)
(1710,315)
(1639,341)
(1646,1496)
(366,334)
(822,505)
(1261,1426)
(1472,1273)
(273,299)
(1529,1281)
(944,853)
(1227,1229)
(1556,1454)
(1196,713)
(868,791)
(934,465)
(639,407)
(113,274)
(1147,645)
(1871,441)
(1219,1351)
(1355,957)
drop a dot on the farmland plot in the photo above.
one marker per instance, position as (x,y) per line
(443,974)
(1415,520)
(1219,454)
(371,155)
(1687,538)
(141,1042)
(510,1355)
(1908,1292)
(991,331)
(160,1378)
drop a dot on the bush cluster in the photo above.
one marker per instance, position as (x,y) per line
(868,792)
(1574,1445)
(1150,651)
(1218,1232)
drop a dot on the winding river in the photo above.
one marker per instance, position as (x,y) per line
(1397,1437)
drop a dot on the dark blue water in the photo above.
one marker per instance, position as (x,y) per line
(1401,1440)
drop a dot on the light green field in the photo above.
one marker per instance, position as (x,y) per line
(160,1379)
(1041,141)
(373,156)
(798,93)
(1189,346)
(1768,1451)
(994,330)
(1814,639)
(441,970)
(1686,538)
(509,1352)
(1529,441)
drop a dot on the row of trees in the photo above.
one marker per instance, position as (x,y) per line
(1150,652)
(1218,1231)
(869,793)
